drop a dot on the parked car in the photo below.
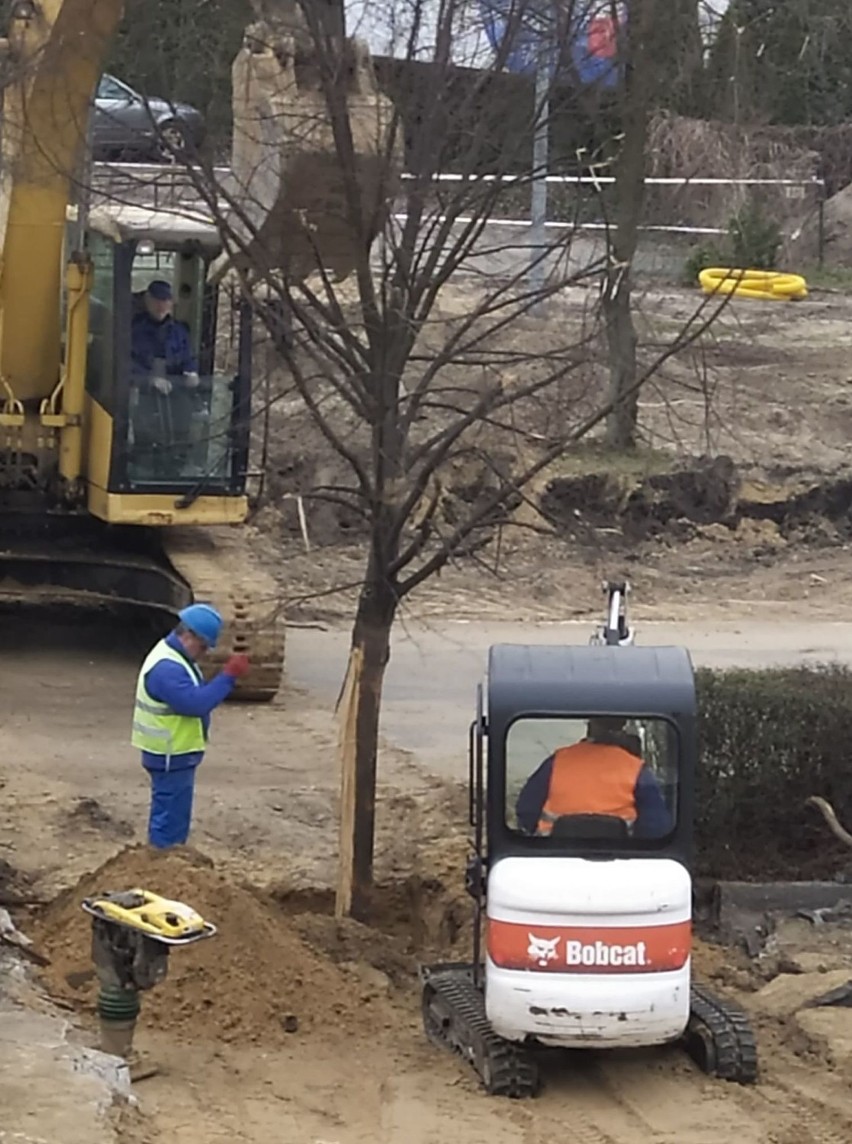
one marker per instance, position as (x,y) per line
(128,125)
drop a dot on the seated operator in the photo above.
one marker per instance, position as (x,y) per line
(602,774)
(164,378)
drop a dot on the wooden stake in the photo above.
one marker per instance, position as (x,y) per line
(347,715)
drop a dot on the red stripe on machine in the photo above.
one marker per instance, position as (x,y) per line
(589,949)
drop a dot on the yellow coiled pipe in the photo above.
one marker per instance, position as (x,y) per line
(764,284)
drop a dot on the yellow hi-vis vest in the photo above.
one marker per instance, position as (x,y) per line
(156,728)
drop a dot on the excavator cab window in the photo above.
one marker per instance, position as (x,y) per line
(100,367)
(592,778)
(589,751)
(177,390)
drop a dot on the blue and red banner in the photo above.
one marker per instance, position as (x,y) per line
(527,29)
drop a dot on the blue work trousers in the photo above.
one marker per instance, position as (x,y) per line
(171,807)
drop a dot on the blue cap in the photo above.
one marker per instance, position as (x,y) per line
(203,621)
(160,290)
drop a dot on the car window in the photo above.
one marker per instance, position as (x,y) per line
(108,88)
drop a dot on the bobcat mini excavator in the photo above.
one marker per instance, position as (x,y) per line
(582,923)
(90,510)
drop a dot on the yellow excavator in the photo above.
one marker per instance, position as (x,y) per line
(96,506)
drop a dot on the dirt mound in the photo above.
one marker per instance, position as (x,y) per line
(837,223)
(240,985)
(88,814)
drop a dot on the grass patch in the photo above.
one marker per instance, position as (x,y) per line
(829,278)
(596,458)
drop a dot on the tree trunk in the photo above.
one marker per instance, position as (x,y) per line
(623,421)
(638,87)
(359,708)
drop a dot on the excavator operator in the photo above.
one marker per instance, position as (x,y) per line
(164,380)
(603,774)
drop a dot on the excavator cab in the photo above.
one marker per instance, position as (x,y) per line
(167,436)
(582,765)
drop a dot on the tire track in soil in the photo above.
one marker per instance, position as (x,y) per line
(661,1096)
(643,1098)
(811,1108)
(634,1098)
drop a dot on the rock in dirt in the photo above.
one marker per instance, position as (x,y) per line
(818,961)
(826,1030)
(829,1030)
(76,1087)
(12,936)
(88,812)
(239,985)
(790,992)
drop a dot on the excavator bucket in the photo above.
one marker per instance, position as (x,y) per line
(303,200)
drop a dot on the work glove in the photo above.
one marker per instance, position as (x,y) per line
(190,380)
(162,385)
(236,666)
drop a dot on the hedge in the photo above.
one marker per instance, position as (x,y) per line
(768,740)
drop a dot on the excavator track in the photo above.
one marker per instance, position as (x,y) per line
(454,1018)
(218,567)
(719,1037)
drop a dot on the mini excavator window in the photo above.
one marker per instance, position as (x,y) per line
(176,384)
(585,750)
(593,779)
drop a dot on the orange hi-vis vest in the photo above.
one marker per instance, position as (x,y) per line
(591,778)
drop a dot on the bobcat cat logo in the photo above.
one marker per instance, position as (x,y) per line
(542,950)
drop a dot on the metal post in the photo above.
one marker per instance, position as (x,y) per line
(538,204)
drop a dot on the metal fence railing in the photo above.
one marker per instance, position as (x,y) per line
(698,207)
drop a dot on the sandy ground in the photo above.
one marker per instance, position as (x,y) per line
(72,794)
(265,811)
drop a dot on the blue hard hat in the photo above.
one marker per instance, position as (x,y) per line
(204,621)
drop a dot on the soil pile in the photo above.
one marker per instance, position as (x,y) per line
(245,983)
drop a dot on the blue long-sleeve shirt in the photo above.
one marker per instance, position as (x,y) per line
(168,339)
(652,815)
(168,682)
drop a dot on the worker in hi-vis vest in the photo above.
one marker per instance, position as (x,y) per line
(171,718)
(602,774)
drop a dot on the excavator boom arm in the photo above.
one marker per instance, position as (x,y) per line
(56,51)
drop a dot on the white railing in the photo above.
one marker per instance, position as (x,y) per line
(162,179)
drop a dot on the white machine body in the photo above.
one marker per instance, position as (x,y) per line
(584,952)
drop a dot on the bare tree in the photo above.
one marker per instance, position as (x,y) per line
(402,387)
(641,41)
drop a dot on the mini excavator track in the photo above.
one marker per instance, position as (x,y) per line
(454,1018)
(218,567)
(718,1037)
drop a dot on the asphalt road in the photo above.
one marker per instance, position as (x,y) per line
(432,676)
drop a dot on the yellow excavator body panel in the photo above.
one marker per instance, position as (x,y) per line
(57,55)
(153,510)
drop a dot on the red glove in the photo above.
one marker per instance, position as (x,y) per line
(236,666)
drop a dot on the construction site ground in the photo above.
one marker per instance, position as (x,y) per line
(288,1026)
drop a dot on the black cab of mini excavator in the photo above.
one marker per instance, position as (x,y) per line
(538,699)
